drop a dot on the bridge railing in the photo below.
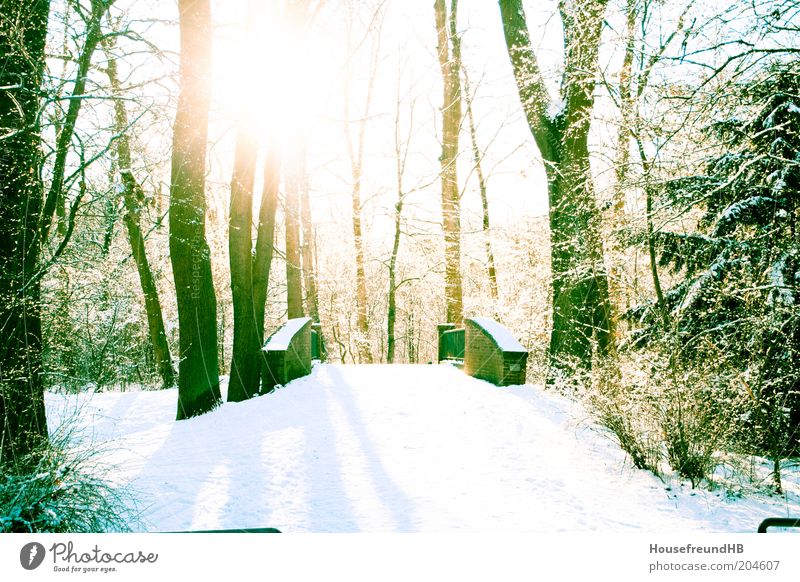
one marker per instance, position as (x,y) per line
(318,351)
(287,354)
(451,343)
(486,349)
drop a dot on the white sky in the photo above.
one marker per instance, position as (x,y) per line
(516,183)
(516,179)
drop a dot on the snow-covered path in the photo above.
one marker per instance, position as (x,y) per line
(388,448)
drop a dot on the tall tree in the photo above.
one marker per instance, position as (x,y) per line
(133,199)
(634,80)
(198,371)
(560,128)
(23,30)
(737,274)
(294,274)
(449,53)
(307,249)
(477,160)
(402,147)
(617,291)
(298,19)
(265,239)
(356,154)
(245,359)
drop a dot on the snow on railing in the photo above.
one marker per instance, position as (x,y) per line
(287,354)
(486,349)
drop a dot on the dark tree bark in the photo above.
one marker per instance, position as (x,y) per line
(198,371)
(307,248)
(391,314)
(23,29)
(245,360)
(294,273)
(133,198)
(265,240)
(250,266)
(581,305)
(449,63)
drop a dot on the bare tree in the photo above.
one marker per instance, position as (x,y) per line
(265,237)
(477,160)
(307,248)
(293,178)
(55,200)
(449,53)
(133,199)
(198,370)
(402,147)
(299,16)
(560,128)
(356,154)
(245,360)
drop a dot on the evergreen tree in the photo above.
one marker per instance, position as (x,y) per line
(736,295)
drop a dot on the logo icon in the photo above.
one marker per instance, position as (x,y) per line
(31,555)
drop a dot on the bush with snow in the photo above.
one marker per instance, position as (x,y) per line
(65,489)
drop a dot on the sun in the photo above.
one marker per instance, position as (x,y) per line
(279,76)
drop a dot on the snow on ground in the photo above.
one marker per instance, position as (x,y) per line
(396,448)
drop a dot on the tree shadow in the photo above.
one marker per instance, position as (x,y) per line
(397,504)
(286,472)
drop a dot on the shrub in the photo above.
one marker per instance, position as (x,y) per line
(628,414)
(65,490)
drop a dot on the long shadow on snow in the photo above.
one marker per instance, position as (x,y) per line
(220,458)
(393,497)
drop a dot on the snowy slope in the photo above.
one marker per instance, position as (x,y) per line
(388,449)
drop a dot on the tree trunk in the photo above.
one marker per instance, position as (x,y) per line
(619,296)
(391,314)
(449,62)
(265,240)
(250,266)
(294,273)
(23,31)
(401,151)
(245,359)
(581,304)
(477,158)
(356,154)
(307,248)
(133,198)
(364,352)
(198,371)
